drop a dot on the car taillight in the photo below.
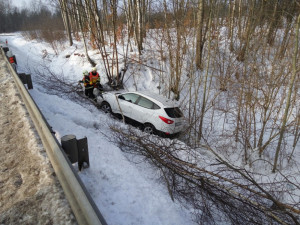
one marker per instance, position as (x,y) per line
(166,120)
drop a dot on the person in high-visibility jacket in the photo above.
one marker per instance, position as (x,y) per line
(94,79)
(86,83)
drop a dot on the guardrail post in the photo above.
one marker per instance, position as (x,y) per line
(29,81)
(83,153)
(69,144)
(76,150)
(5,49)
(26,79)
(22,76)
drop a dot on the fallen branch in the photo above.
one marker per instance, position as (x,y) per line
(223,189)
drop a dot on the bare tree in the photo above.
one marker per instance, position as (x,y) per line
(289,94)
(250,27)
(65,16)
(273,24)
(200,34)
(82,20)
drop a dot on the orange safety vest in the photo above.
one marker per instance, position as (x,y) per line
(11,59)
(94,78)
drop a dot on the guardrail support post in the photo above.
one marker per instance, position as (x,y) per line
(26,79)
(83,153)
(5,49)
(76,150)
(22,76)
(29,81)
(69,144)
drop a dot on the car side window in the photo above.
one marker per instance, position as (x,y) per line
(146,103)
(130,97)
(121,97)
(155,106)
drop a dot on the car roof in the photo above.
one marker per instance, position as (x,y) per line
(159,99)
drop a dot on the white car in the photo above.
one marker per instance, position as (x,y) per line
(157,114)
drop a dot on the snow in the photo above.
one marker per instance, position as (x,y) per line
(126,193)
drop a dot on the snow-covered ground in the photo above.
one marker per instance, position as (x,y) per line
(125,192)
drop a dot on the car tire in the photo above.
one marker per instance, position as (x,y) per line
(105,107)
(149,128)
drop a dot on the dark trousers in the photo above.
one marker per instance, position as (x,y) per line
(89,92)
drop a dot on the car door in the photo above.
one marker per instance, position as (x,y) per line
(145,110)
(127,103)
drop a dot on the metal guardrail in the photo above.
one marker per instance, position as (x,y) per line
(83,206)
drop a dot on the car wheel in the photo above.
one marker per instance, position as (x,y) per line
(149,128)
(106,107)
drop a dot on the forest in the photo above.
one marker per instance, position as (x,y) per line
(240,56)
(234,66)
(39,16)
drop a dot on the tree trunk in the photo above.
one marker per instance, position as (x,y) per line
(273,25)
(80,12)
(205,92)
(231,24)
(200,39)
(139,26)
(115,61)
(288,101)
(65,16)
(246,37)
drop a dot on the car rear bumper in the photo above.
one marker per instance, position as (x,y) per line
(172,128)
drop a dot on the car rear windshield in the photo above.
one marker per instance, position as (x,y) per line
(173,112)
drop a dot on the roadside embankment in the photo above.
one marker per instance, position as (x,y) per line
(29,190)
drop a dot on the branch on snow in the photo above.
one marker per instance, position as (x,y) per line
(216,189)
(55,83)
